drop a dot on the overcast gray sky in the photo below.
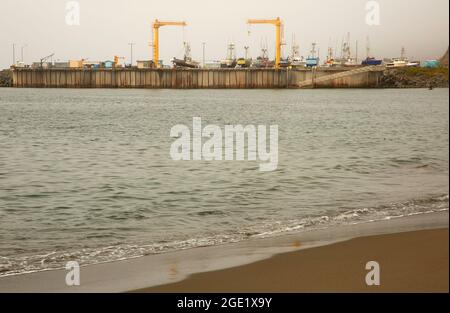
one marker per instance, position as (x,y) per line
(107,26)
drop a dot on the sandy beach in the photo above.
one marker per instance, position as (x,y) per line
(412,253)
(409,262)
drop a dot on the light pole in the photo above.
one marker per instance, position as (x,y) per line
(21,52)
(14,54)
(204,48)
(131,46)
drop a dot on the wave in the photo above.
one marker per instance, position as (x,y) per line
(52,260)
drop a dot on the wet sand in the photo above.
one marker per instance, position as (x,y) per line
(414,258)
(410,262)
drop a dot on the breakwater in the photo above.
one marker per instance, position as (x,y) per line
(194,78)
(5,78)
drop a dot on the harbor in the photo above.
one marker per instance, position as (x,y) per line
(342,67)
(195,78)
(242,148)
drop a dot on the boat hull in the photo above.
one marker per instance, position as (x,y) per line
(369,62)
(183,63)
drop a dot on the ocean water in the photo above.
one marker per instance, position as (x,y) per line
(86,175)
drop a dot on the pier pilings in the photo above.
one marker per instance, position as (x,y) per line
(187,78)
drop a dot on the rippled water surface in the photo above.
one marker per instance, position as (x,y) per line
(87,175)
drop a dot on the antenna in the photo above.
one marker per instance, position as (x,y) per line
(246,52)
(14,54)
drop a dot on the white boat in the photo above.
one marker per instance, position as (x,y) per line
(397,62)
(413,64)
(351,62)
(402,61)
(298,62)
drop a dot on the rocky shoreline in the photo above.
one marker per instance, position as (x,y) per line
(415,77)
(5,78)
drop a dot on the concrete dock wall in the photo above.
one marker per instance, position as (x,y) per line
(185,78)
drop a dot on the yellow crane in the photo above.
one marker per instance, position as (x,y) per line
(156,25)
(278,27)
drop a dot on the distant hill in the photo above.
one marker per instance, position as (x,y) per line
(444,59)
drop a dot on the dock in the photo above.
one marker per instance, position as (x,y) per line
(270,78)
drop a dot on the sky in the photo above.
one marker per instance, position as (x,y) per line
(108,26)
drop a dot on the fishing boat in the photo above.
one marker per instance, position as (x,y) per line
(244,63)
(402,61)
(413,64)
(312,60)
(371,61)
(329,62)
(230,61)
(263,60)
(397,62)
(346,58)
(187,61)
(351,62)
(285,63)
(296,60)
(177,63)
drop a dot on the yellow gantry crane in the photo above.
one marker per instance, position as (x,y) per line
(278,26)
(156,25)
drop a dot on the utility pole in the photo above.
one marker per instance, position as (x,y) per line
(21,52)
(368,47)
(204,48)
(14,54)
(131,45)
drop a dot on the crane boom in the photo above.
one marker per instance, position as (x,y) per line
(44,59)
(156,25)
(278,26)
(47,57)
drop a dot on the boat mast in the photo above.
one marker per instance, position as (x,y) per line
(187,51)
(313,50)
(349,54)
(403,52)
(295,48)
(231,54)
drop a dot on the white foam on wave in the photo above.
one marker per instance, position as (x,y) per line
(56,260)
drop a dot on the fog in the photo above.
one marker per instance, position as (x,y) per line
(108,26)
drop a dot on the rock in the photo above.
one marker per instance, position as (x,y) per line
(414,77)
(5,78)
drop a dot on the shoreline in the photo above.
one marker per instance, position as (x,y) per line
(173,267)
(409,262)
(396,78)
